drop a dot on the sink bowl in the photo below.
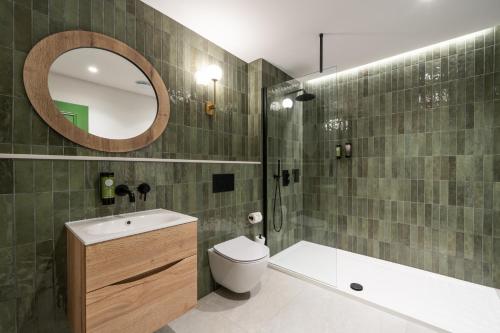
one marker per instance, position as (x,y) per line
(102,229)
(122,224)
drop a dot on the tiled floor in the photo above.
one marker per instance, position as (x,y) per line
(282,303)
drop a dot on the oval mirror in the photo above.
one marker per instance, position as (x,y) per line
(96,91)
(102,93)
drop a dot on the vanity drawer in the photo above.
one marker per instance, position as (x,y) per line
(143,304)
(114,261)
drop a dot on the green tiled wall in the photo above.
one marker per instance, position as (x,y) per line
(284,143)
(175,51)
(423,186)
(38,197)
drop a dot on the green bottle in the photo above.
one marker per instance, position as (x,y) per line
(108,188)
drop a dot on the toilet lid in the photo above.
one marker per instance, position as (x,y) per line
(242,249)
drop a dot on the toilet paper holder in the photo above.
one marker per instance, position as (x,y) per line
(255,217)
(260,239)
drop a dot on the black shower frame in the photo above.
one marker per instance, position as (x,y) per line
(264,162)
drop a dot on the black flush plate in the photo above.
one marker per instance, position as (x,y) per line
(223,182)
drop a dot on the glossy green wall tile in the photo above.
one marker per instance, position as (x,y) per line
(425,163)
(284,143)
(38,196)
(50,193)
(176,52)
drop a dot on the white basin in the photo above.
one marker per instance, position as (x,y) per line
(102,229)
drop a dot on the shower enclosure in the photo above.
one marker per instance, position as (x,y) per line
(421,188)
(303,125)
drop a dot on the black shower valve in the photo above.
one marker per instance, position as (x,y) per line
(143,189)
(286,177)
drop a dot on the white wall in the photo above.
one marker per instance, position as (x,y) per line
(113,113)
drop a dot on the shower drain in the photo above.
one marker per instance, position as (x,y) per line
(356,286)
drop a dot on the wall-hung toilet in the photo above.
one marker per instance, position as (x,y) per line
(238,263)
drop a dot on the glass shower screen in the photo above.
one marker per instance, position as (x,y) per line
(303,129)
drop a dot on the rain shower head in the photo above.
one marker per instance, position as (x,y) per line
(305,97)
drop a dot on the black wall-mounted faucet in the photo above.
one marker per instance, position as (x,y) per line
(122,190)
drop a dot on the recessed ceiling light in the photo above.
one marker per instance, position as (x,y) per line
(92,69)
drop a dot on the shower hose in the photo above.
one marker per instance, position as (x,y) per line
(277,193)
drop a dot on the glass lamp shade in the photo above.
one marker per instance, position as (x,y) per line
(207,74)
(201,77)
(287,103)
(214,72)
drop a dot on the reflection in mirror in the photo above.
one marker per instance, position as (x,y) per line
(102,93)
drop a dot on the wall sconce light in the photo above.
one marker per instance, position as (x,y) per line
(287,103)
(204,76)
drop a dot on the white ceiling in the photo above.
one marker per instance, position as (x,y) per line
(113,70)
(285,32)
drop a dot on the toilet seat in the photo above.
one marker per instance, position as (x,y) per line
(238,264)
(242,250)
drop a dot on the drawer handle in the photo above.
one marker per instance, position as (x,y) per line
(148,273)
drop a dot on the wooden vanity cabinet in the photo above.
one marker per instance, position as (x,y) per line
(132,284)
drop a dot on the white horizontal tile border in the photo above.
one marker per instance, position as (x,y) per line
(119,159)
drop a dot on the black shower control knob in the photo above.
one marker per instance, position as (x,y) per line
(286,177)
(144,189)
(296,175)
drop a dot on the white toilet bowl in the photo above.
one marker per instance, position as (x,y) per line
(238,264)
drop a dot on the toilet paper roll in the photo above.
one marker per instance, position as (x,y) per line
(260,239)
(255,217)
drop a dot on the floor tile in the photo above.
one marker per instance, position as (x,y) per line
(274,292)
(202,320)
(282,303)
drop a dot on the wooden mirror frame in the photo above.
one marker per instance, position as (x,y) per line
(36,74)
